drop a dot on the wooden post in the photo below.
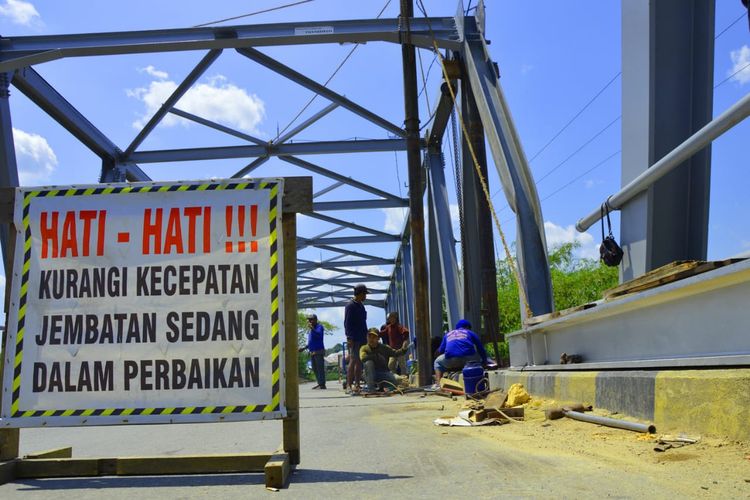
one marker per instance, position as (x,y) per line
(291,423)
(9,438)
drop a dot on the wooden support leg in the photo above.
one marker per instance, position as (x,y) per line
(9,439)
(291,424)
(277,471)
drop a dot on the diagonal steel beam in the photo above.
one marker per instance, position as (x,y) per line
(216,126)
(345,251)
(321,90)
(338,177)
(328,189)
(333,266)
(350,225)
(41,93)
(353,240)
(339,303)
(302,126)
(340,281)
(183,87)
(250,167)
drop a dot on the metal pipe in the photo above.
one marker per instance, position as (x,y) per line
(731,117)
(611,422)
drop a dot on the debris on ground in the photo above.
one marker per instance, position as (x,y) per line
(517,395)
(467,418)
(669,441)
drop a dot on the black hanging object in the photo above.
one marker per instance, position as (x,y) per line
(609,251)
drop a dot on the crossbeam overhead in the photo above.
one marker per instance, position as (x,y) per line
(23,51)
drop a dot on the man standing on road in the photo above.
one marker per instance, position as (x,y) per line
(355,329)
(317,350)
(395,335)
(375,357)
(459,346)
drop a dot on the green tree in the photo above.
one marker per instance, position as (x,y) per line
(574,282)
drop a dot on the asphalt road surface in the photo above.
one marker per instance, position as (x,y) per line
(351,448)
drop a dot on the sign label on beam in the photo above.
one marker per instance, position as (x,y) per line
(313,30)
(145,303)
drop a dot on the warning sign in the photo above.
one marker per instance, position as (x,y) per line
(145,303)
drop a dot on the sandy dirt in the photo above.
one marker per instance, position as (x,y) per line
(711,468)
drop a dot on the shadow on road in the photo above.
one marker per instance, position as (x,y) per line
(338,476)
(82,483)
(298,476)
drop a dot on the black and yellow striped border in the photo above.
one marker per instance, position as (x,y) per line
(273,406)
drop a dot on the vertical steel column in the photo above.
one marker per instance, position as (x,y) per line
(8,166)
(667,95)
(471,197)
(436,276)
(409,291)
(416,211)
(447,245)
(486,287)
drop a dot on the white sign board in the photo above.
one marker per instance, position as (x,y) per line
(144,303)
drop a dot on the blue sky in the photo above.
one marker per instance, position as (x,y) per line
(553,58)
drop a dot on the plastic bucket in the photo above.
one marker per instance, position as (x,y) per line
(473,374)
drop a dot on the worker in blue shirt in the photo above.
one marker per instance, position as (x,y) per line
(355,329)
(317,350)
(459,346)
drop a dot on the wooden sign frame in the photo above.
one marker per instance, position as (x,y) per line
(276,465)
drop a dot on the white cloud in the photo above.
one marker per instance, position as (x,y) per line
(394,219)
(740,59)
(150,70)
(36,159)
(216,100)
(19,12)
(557,235)
(589,183)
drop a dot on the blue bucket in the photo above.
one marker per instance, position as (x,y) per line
(473,375)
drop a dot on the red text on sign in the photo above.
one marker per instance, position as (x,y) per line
(73,233)
(176,231)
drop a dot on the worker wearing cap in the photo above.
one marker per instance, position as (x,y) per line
(395,335)
(355,329)
(375,358)
(459,346)
(317,350)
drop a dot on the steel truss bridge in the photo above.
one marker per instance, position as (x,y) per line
(667,125)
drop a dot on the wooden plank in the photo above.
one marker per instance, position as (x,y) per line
(191,464)
(290,425)
(667,274)
(535,320)
(141,466)
(277,471)
(66,452)
(57,467)
(297,195)
(650,278)
(7,471)
(297,198)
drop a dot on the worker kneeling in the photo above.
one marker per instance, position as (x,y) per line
(375,358)
(459,346)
